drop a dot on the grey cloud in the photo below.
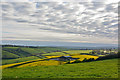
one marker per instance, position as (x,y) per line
(65,18)
(111,8)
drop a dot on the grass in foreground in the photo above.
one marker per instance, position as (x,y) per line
(95,69)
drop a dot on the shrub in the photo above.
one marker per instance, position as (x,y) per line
(77,61)
(110,56)
(85,60)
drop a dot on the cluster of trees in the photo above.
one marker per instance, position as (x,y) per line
(111,56)
(85,60)
(19,46)
(104,52)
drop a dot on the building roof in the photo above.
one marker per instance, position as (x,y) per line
(65,57)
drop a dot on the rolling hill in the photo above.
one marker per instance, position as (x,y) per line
(96,69)
(19,52)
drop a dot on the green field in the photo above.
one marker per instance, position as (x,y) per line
(68,52)
(77,51)
(10,61)
(8,55)
(20,52)
(54,54)
(96,69)
(27,57)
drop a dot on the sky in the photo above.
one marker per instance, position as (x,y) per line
(60,23)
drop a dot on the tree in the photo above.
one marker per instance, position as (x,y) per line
(85,59)
(77,61)
(91,59)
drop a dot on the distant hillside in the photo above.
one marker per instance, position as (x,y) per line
(8,55)
(12,52)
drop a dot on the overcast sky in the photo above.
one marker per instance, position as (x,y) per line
(61,22)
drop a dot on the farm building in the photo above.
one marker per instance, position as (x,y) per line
(63,58)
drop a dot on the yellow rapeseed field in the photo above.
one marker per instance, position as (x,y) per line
(52,56)
(10,65)
(43,63)
(82,57)
(55,56)
(72,61)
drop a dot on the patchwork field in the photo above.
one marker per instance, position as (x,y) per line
(68,52)
(77,51)
(39,62)
(82,57)
(95,69)
(36,62)
(20,52)
(54,53)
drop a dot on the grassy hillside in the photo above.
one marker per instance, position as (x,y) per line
(33,51)
(10,61)
(96,69)
(54,53)
(71,52)
(17,51)
(26,51)
(45,61)
(77,51)
(8,55)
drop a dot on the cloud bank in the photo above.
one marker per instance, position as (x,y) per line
(85,22)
